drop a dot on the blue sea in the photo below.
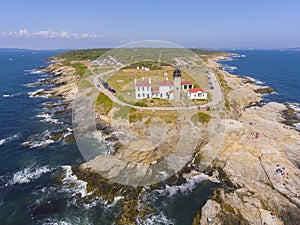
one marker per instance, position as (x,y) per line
(279,69)
(37,185)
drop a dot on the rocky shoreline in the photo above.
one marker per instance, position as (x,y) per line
(251,191)
(261,163)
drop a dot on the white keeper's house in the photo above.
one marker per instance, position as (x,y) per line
(168,89)
(197,93)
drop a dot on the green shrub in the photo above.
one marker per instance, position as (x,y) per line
(141,104)
(200,117)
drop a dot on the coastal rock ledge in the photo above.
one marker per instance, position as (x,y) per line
(261,163)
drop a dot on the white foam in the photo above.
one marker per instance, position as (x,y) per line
(92,204)
(56,222)
(297,125)
(255,80)
(115,201)
(47,118)
(35,84)
(7,96)
(71,219)
(37,144)
(185,188)
(155,219)
(43,115)
(294,106)
(227,59)
(9,139)
(229,68)
(73,184)
(34,71)
(67,134)
(33,93)
(28,174)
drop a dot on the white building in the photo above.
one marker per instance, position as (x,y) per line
(143,89)
(197,93)
(165,89)
(186,85)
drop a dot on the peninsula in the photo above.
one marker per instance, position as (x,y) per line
(256,163)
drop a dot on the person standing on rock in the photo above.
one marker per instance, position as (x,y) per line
(208,220)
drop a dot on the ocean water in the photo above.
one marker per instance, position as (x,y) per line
(279,69)
(275,68)
(37,185)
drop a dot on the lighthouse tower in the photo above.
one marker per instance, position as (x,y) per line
(177,85)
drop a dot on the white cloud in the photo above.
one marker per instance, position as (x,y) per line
(48,34)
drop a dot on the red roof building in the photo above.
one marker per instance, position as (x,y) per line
(195,90)
(197,93)
(165,83)
(186,82)
(143,83)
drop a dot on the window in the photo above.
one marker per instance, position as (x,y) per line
(139,95)
(170,87)
(143,88)
(147,88)
(143,95)
(138,88)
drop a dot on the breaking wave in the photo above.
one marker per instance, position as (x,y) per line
(256,81)
(229,68)
(155,219)
(185,188)
(68,221)
(294,106)
(34,71)
(47,118)
(28,174)
(73,184)
(9,139)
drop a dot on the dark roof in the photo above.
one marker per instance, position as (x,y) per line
(176,73)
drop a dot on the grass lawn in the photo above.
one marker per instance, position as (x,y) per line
(167,116)
(104,103)
(123,82)
(85,84)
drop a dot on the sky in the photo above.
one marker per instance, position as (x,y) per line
(65,24)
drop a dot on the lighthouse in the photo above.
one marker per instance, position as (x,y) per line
(177,85)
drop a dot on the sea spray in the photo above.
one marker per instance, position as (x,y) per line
(185,188)
(73,184)
(28,174)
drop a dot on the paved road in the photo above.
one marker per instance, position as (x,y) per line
(217,96)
